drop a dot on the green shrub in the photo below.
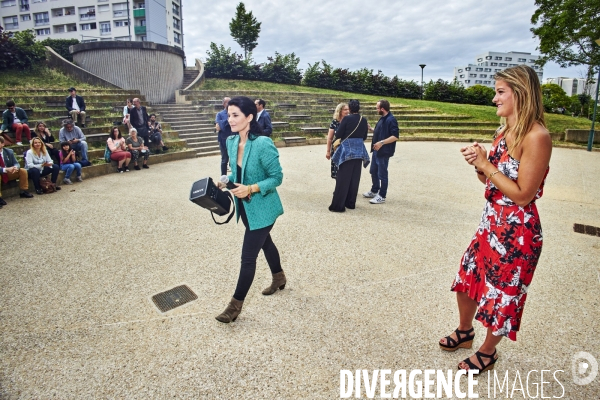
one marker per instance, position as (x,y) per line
(20,50)
(61,46)
(449,92)
(281,69)
(479,94)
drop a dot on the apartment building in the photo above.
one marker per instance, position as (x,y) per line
(573,86)
(156,21)
(487,64)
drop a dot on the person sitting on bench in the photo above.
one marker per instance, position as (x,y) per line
(15,119)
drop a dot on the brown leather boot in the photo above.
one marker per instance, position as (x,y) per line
(234,308)
(279,282)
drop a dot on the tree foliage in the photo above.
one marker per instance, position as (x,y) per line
(20,50)
(282,69)
(61,46)
(440,90)
(244,29)
(554,97)
(567,30)
(479,94)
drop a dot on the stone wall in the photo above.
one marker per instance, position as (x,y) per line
(156,70)
(581,135)
(55,60)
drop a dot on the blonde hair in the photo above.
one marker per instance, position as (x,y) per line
(337,114)
(527,99)
(43,150)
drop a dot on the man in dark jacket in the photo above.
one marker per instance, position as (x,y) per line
(76,107)
(11,170)
(15,119)
(138,118)
(385,135)
(263,118)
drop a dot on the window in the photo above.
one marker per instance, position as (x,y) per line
(144,38)
(503,65)
(479,59)
(486,82)
(460,70)
(41,19)
(467,81)
(105,28)
(103,8)
(478,69)
(488,57)
(493,64)
(177,37)
(87,27)
(497,70)
(87,13)
(531,61)
(119,10)
(483,75)
(143,22)
(488,70)
(497,58)
(472,75)
(11,22)
(24,4)
(72,28)
(59,29)
(42,32)
(535,67)
(468,69)
(70,11)
(462,76)
(10,3)
(139,6)
(508,58)
(175,9)
(122,22)
(176,24)
(57,12)
(522,60)
(26,17)
(478,82)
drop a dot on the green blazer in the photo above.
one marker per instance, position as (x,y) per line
(260,165)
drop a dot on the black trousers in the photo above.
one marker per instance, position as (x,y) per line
(254,241)
(346,185)
(35,175)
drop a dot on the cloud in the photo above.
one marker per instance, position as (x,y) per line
(391,36)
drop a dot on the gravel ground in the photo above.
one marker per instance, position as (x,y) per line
(367,289)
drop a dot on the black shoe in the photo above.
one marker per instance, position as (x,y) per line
(119,171)
(25,194)
(83,125)
(165,148)
(145,166)
(137,167)
(39,191)
(2,202)
(126,169)
(57,187)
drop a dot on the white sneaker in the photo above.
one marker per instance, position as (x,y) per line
(67,181)
(377,200)
(369,195)
(79,179)
(19,144)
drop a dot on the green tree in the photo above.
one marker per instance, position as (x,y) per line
(479,94)
(554,97)
(567,30)
(61,46)
(244,29)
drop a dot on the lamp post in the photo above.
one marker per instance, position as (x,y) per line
(591,138)
(422,68)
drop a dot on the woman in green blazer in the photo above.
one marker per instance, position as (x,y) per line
(256,172)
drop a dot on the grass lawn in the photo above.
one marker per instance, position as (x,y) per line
(39,78)
(556,123)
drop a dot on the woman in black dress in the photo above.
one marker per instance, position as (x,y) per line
(348,157)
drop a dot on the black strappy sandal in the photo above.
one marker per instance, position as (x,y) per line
(484,367)
(465,343)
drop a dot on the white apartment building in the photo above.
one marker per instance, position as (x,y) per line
(573,86)
(156,21)
(487,64)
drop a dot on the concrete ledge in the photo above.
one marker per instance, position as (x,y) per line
(57,61)
(12,188)
(580,135)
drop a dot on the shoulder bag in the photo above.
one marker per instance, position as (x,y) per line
(338,141)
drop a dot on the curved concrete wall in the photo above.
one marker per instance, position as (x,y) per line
(156,70)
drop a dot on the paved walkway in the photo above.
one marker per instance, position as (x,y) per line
(368,289)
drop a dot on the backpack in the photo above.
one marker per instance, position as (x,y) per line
(107,154)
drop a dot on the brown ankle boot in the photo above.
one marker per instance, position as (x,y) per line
(234,308)
(279,282)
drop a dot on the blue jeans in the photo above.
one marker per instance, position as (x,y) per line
(83,147)
(224,155)
(68,168)
(379,174)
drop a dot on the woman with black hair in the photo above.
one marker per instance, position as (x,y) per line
(255,169)
(349,156)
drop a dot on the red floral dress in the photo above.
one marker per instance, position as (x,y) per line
(497,268)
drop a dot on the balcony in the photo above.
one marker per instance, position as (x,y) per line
(140,12)
(140,30)
(11,26)
(176,26)
(120,13)
(104,31)
(177,40)
(176,11)
(42,22)
(87,16)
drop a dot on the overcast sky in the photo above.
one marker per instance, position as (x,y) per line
(391,36)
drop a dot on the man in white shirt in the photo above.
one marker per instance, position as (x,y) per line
(76,107)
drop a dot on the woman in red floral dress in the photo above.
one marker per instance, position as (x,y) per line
(496,270)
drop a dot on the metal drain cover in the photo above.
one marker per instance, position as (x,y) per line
(173,298)
(586,229)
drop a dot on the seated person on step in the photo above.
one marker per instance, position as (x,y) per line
(68,163)
(155,134)
(11,170)
(15,119)
(136,147)
(39,164)
(72,134)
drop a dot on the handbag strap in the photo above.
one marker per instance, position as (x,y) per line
(359,121)
(230,214)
